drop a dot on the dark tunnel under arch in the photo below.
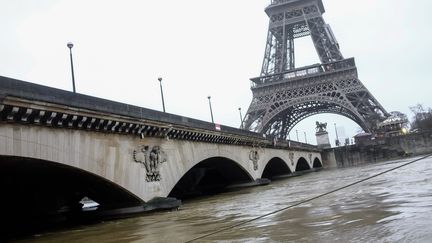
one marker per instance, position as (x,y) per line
(208,177)
(36,193)
(275,167)
(317,163)
(302,165)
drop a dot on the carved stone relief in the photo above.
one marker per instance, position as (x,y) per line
(254,157)
(151,158)
(291,157)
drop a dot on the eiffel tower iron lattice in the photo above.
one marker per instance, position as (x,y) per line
(283,95)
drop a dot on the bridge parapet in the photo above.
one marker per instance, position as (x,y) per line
(26,103)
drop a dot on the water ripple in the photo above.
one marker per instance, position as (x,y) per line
(395,207)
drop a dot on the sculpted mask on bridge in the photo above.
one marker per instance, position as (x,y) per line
(254,157)
(291,157)
(151,158)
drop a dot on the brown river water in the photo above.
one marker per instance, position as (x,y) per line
(393,207)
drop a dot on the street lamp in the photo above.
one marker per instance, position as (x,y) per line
(305,137)
(337,137)
(211,111)
(163,101)
(70,45)
(297,136)
(241,118)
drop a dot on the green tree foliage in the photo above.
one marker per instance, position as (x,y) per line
(422,118)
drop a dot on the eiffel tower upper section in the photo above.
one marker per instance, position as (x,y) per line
(283,95)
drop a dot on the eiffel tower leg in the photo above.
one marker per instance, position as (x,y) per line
(324,41)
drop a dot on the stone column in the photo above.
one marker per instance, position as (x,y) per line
(323,140)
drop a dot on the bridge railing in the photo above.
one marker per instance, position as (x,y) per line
(289,144)
(76,111)
(30,91)
(304,72)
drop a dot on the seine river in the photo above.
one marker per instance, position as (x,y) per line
(393,207)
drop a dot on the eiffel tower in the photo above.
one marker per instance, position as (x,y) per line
(283,95)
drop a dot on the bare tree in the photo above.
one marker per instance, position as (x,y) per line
(422,119)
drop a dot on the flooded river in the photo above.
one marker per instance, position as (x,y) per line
(394,207)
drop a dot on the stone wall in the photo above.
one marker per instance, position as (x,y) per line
(379,149)
(119,158)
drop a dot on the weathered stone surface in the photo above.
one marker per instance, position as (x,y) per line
(111,155)
(379,149)
(323,140)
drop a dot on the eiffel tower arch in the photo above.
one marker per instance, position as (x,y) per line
(283,95)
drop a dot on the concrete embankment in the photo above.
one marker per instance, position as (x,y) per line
(379,149)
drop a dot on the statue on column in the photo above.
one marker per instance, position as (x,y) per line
(321,127)
(321,134)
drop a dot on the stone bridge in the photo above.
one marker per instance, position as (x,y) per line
(57,147)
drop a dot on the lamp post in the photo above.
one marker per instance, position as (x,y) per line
(297,136)
(337,137)
(305,137)
(163,101)
(241,118)
(211,111)
(70,45)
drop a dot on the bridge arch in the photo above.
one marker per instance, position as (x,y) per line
(317,163)
(35,191)
(302,165)
(210,176)
(275,167)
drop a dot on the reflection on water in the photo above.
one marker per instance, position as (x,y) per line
(393,207)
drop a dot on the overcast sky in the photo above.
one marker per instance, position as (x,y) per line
(203,47)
